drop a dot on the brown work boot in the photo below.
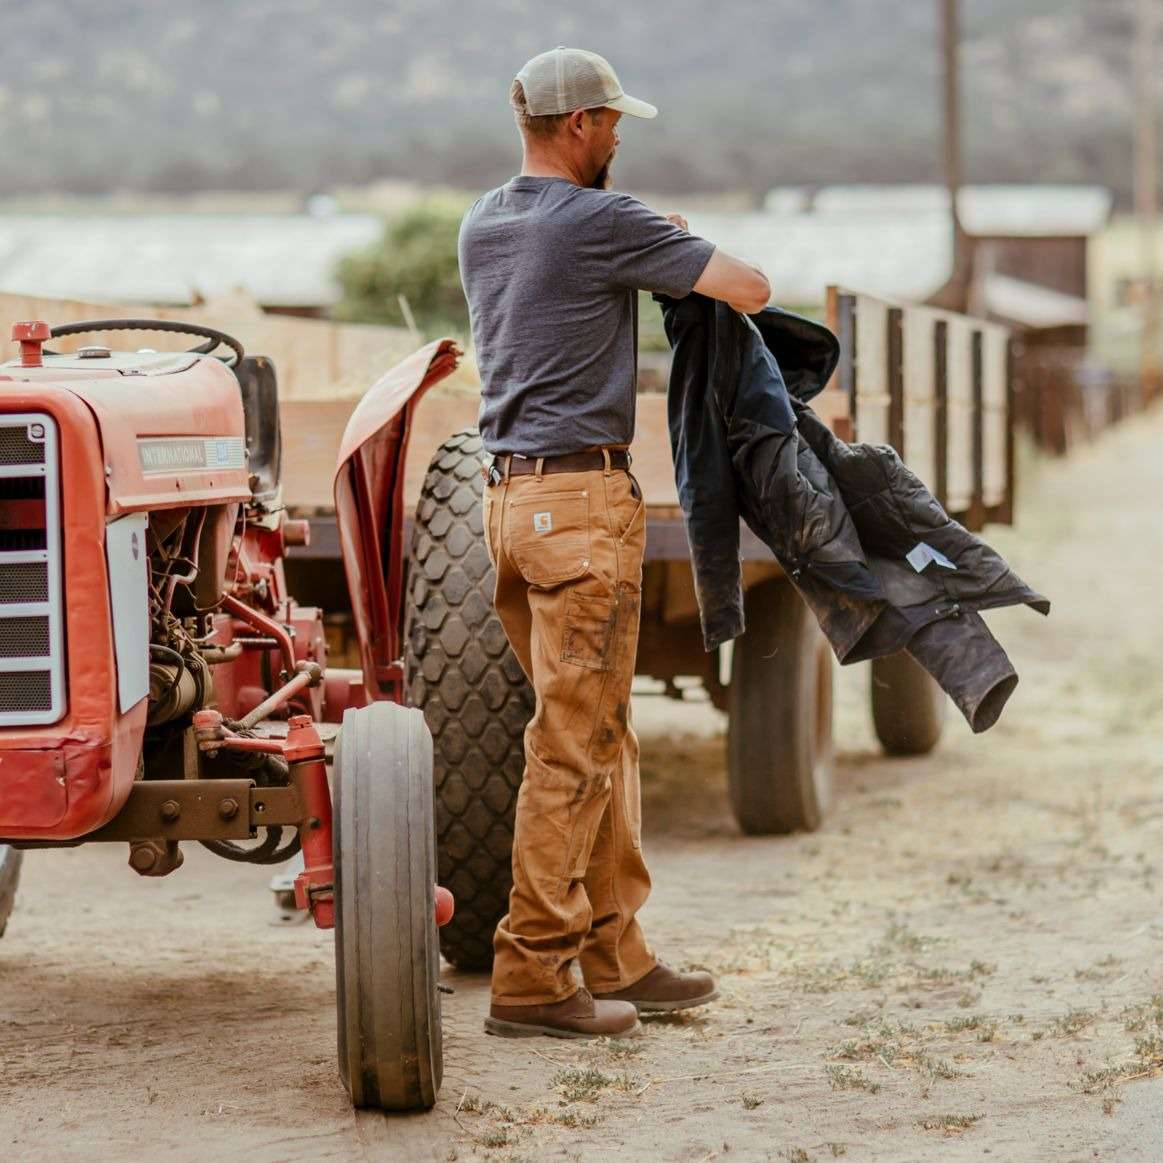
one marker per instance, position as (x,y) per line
(664,989)
(579,1016)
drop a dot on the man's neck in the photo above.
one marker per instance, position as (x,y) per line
(534,166)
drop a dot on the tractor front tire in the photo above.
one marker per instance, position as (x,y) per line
(462,673)
(387,954)
(779,725)
(10,859)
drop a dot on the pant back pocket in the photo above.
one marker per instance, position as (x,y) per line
(549,536)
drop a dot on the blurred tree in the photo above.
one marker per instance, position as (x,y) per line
(415,259)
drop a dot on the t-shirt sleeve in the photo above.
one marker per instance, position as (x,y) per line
(650,254)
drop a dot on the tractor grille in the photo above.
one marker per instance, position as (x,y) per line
(25,637)
(23,581)
(20,446)
(26,694)
(32,643)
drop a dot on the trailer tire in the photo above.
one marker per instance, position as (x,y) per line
(461,672)
(908,707)
(10,860)
(779,725)
(387,955)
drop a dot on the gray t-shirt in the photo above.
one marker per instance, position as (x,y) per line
(552,272)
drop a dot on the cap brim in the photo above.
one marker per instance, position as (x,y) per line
(632,107)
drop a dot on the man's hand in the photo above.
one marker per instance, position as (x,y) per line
(677,220)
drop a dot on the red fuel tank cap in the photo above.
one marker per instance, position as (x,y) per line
(31,336)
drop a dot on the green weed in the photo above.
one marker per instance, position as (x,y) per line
(849,1078)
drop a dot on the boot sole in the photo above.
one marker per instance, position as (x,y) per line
(669,1007)
(502,1029)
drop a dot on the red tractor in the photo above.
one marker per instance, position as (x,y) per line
(158,683)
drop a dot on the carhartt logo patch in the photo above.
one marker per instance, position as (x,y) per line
(542,522)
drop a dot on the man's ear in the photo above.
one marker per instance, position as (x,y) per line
(576,122)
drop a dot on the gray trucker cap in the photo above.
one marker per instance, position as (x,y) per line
(565,79)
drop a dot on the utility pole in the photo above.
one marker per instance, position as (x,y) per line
(1146,205)
(954,295)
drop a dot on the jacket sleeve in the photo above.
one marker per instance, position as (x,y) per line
(703,472)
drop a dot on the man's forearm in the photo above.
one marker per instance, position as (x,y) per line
(743,309)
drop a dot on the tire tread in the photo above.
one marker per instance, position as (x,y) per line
(386,960)
(461,672)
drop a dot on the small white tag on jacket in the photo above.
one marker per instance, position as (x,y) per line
(922,553)
(542,522)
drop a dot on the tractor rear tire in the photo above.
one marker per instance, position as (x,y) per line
(908,707)
(779,725)
(10,859)
(387,954)
(462,673)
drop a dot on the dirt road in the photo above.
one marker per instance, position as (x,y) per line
(966,961)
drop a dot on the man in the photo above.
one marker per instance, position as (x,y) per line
(552,263)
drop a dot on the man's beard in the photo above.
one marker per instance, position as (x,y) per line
(603,179)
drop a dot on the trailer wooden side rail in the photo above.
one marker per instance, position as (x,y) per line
(936,386)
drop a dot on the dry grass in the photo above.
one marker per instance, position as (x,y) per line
(1072,1022)
(899,1045)
(586,1083)
(1145,1061)
(949,1124)
(573,1119)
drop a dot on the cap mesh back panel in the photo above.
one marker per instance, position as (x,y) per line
(557,84)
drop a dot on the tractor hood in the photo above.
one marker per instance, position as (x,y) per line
(369,504)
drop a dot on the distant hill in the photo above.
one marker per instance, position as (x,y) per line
(302,94)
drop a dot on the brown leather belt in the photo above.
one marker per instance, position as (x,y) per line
(567,462)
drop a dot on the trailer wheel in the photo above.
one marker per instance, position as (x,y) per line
(387,956)
(10,859)
(461,672)
(908,707)
(779,726)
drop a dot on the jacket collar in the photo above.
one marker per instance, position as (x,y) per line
(807,352)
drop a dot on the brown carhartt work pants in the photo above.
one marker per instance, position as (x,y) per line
(568,553)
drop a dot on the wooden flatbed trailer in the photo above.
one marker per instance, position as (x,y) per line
(935,385)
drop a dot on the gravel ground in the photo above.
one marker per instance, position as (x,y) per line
(967,960)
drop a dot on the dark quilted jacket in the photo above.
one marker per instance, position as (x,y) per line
(840,518)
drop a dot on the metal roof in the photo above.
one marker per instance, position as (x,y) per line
(1011,211)
(892,241)
(893,255)
(281,260)
(992,210)
(1030,305)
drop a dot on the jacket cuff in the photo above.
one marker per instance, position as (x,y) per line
(721,630)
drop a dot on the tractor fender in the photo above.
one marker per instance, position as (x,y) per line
(369,502)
